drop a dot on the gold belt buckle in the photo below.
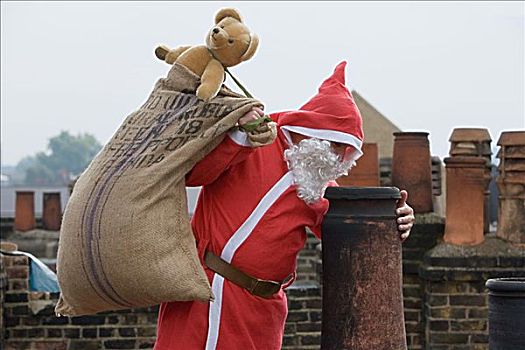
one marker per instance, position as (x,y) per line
(265,288)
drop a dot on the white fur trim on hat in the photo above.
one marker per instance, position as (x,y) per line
(325,134)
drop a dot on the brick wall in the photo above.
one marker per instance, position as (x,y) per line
(456,314)
(29,321)
(306,261)
(426,234)
(444,297)
(303,325)
(3,289)
(455,298)
(29,328)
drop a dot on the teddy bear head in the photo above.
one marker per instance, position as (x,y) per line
(230,40)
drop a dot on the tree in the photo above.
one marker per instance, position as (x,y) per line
(67,157)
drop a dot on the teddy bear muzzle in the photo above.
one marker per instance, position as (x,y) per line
(218,38)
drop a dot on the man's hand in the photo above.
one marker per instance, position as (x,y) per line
(264,133)
(254,114)
(405,216)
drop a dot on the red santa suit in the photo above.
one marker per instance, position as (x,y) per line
(249,214)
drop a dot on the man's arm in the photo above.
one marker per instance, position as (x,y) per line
(321,209)
(230,151)
(235,148)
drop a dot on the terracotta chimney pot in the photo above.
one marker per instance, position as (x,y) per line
(470,142)
(511,185)
(52,211)
(25,211)
(412,169)
(366,172)
(474,142)
(466,183)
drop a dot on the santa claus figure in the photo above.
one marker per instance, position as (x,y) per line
(251,216)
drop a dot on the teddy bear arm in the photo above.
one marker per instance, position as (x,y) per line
(172,55)
(211,80)
(196,59)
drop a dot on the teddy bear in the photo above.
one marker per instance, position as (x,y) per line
(228,43)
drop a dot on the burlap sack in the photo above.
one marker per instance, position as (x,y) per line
(126,239)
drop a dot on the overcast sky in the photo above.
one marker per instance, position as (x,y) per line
(83,67)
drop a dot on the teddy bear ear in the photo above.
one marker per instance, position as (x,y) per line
(227,12)
(254,43)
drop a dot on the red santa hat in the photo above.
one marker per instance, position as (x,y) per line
(330,115)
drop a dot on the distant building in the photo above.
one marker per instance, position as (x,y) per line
(377,128)
(8,198)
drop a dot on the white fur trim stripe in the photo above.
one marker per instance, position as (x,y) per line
(239,137)
(242,233)
(326,134)
(214,315)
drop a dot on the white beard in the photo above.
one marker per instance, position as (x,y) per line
(313,164)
